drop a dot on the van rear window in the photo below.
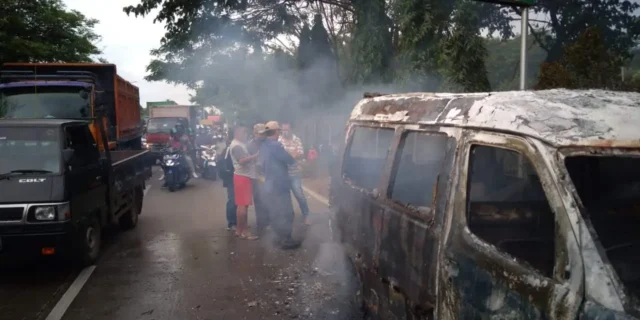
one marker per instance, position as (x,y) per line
(367,155)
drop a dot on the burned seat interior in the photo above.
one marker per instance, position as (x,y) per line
(609,189)
(507,207)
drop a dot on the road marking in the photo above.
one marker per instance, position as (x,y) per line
(67,298)
(315,195)
(71,293)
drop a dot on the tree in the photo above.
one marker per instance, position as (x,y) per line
(45,31)
(305,50)
(566,21)
(465,52)
(503,62)
(371,44)
(587,63)
(320,44)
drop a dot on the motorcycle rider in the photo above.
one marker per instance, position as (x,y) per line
(180,140)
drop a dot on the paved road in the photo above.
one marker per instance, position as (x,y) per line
(181,263)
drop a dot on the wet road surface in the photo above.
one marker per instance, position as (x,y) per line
(182,263)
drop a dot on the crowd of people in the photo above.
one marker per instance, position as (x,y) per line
(262,171)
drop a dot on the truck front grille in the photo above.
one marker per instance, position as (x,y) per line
(11,213)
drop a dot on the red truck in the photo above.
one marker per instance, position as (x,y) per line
(164,118)
(74,91)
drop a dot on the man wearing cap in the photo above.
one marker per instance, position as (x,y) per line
(262,215)
(275,162)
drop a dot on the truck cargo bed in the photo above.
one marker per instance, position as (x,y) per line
(120,156)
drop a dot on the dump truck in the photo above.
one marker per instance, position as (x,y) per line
(74,91)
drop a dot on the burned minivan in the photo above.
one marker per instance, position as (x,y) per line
(506,205)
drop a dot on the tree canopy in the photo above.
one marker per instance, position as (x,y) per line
(45,31)
(283,55)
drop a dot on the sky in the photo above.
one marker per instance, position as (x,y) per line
(126,42)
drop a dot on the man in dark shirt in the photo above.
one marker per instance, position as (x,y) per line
(262,213)
(274,161)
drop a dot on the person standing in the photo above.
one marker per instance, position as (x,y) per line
(293,145)
(225,167)
(262,214)
(243,166)
(275,161)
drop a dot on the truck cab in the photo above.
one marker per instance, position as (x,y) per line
(59,191)
(158,133)
(74,91)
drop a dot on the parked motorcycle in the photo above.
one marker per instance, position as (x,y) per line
(208,160)
(176,171)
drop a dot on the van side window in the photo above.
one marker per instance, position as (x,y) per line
(419,162)
(507,207)
(367,155)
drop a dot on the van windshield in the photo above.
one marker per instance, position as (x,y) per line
(29,149)
(609,188)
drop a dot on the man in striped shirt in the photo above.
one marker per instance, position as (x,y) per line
(293,145)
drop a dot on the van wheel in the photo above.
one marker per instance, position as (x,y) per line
(90,240)
(129,220)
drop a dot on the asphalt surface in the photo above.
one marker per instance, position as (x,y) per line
(181,263)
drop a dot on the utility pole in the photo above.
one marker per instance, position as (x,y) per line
(523,48)
(524,8)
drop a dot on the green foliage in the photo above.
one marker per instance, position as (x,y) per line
(616,20)
(228,50)
(586,64)
(503,63)
(45,31)
(371,44)
(305,52)
(320,45)
(465,51)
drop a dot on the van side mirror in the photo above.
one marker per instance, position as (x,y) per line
(67,154)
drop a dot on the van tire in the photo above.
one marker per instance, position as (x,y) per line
(90,240)
(129,220)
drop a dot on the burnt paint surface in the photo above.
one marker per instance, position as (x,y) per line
(594,311)
(483,296)
(559,117)
(394,248)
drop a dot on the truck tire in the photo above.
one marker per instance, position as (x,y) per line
(129,220)
(90,240)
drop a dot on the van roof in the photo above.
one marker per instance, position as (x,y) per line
(561,117)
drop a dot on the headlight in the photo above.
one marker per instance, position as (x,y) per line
(169,162)
(60,212)
(47,213)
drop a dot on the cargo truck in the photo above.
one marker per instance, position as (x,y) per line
(59,191)
(74,91)
(164,118)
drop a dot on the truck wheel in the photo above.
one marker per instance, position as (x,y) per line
(90,240)
(129,220)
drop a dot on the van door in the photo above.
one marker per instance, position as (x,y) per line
(510,252)
(359,215)
(413,208)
